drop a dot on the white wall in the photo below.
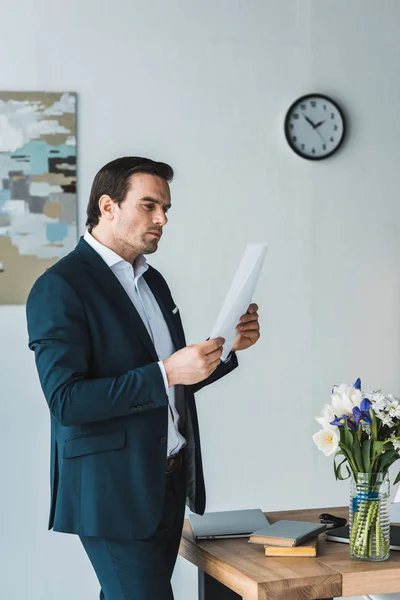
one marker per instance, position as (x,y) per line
(205,85)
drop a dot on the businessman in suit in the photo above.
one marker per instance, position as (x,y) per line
(120,381)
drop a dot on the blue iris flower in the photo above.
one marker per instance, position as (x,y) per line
(357,384)
(361,415)
(340,421)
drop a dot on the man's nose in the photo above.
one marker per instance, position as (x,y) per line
(160,217)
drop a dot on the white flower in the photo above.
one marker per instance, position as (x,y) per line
(379,401)
(396,443)
(327,415)
(395,413)
(344,399)
(367,429)
(327,440)
(386,420)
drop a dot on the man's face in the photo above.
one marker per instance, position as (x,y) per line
(138,222)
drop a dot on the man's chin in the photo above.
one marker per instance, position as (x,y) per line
(151,248)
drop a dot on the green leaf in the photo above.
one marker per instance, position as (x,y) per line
(348,453)
(366,452)
(357,455)
(348,436)
(377,448)
(374,426)
(338,468)
(388,458)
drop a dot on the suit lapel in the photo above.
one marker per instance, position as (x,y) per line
(155,284)
(103,275)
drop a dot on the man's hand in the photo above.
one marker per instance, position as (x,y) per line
(194,363)
(249,329)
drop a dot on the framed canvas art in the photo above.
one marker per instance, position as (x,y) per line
(38,207)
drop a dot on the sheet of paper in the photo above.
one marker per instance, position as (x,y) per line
(395,512)
(239,296)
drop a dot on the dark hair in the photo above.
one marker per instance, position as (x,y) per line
(113,179)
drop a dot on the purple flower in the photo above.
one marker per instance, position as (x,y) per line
(340,421)
(362,417)
(365,405)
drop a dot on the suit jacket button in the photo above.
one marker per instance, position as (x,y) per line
(151,403)
(163,440)
(139,407)
(133,409)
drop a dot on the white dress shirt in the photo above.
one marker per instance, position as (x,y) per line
(141,296)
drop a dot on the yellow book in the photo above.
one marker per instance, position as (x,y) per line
(287,533)
(308,549)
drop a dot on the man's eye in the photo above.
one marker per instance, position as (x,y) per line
(149,206)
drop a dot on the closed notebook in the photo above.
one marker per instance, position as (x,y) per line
(287,533)
(307,549)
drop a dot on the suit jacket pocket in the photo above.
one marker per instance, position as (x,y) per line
(90,444)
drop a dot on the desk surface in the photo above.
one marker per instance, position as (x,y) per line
(245,569)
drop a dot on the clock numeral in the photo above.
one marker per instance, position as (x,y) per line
(332,115)
(303,106)
(313,103)
(313,150)
(291,126)
(332,139)
(324,106)
(335,128)
(295,115)
(323,146)
(303,146)
(294,138)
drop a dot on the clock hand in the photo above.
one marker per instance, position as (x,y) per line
(318,124)
(319,133)
(309,121)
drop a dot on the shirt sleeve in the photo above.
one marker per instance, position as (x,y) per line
(164,374)
(228,358)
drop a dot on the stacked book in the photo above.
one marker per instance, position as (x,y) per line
(289,538)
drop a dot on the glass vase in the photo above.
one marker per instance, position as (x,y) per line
(369,516)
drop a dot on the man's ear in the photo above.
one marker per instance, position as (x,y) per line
(107,207)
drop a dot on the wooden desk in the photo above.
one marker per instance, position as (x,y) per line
(233,568)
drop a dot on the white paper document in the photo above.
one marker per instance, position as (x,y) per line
(239,296)
(395,511)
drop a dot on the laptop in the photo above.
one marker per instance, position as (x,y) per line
(341,534)
(227,524)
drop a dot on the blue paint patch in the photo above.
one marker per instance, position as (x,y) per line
(56,232)
(38,153)
(4,196)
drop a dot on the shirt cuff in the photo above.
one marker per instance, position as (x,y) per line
(228,358)
(164,374)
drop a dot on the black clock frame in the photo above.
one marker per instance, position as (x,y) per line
(287,131)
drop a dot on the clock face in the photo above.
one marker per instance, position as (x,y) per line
(314,127)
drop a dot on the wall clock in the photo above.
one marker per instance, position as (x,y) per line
(314,126)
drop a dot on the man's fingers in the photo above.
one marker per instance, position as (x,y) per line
(213,365)
(247,318)
(248,328)
(214,355)
(212,345)
(252,308)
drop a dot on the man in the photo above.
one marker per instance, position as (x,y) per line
(120,380)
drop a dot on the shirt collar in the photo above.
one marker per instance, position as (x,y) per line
(112,259)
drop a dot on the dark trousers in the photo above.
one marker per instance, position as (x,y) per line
(142,569)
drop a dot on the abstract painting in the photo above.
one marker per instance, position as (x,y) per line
(38,208)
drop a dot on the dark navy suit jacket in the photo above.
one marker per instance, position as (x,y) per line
(108,404)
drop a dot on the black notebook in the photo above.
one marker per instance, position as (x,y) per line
(341,534)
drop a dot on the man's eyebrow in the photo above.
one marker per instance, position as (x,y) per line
(150,199)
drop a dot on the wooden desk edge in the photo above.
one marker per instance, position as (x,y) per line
(225,574)
(320,586)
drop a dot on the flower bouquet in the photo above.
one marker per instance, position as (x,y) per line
(363,429)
